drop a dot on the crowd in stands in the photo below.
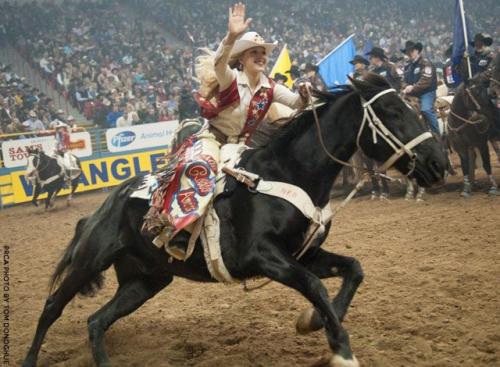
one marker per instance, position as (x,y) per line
(117,63)
(312,28)
(108,64)
(25,109)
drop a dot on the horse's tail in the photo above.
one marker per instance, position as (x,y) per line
(65,261)
(94,238)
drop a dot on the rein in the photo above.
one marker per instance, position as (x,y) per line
(467,121)
(495,81)
(378,128)
(473,99)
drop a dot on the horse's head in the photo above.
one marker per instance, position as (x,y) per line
(476,95)
(35,158)
(391,132)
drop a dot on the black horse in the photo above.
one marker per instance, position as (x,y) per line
(47,175)
(472,122)
(259,233)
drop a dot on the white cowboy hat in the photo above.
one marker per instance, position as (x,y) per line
(60,124)
(250,40)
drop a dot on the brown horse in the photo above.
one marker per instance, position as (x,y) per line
(471,124)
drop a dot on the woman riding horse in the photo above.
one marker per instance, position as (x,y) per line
(235,95)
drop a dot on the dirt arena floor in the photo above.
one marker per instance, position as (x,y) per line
(430,296)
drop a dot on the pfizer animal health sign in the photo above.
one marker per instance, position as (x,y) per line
(158,134)
(15,152)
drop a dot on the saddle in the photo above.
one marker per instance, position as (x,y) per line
(442,107)
(68,164)
(207,226)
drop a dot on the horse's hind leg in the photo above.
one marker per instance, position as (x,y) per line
(129,297)
(48,200)
(326,265)
(485,157)
(53,309)
(74,185)
(496,148)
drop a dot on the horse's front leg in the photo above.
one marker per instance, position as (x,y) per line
(48,200)
(410,189)
(324,265)
(277,265)
(36,193)
(464,163)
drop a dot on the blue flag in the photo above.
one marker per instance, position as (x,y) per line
(335,66)
(459,45)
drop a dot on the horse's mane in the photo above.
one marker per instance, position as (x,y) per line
(371,85)
(300,122)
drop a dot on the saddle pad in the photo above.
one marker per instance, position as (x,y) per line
(148,185)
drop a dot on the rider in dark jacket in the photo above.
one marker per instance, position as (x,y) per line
(483,56)
(381,66)
(420,81)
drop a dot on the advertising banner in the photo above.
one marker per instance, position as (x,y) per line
(96,173)
(122,139)
(15,153)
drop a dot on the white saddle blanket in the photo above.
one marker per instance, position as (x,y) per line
(69,163)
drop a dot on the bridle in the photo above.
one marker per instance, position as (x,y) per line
(465,120)
(378,128)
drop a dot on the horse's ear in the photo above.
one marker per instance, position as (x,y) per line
(356,83)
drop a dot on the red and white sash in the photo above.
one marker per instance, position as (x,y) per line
(257,109)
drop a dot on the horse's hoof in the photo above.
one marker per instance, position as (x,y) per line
(338,361)
(29,363)
(304,322)
(493,191)
(465,194)
(419,200)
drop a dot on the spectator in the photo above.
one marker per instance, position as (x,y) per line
(113,116)
(129,117)
(33,124)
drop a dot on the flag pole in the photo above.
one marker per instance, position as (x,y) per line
(464,27)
